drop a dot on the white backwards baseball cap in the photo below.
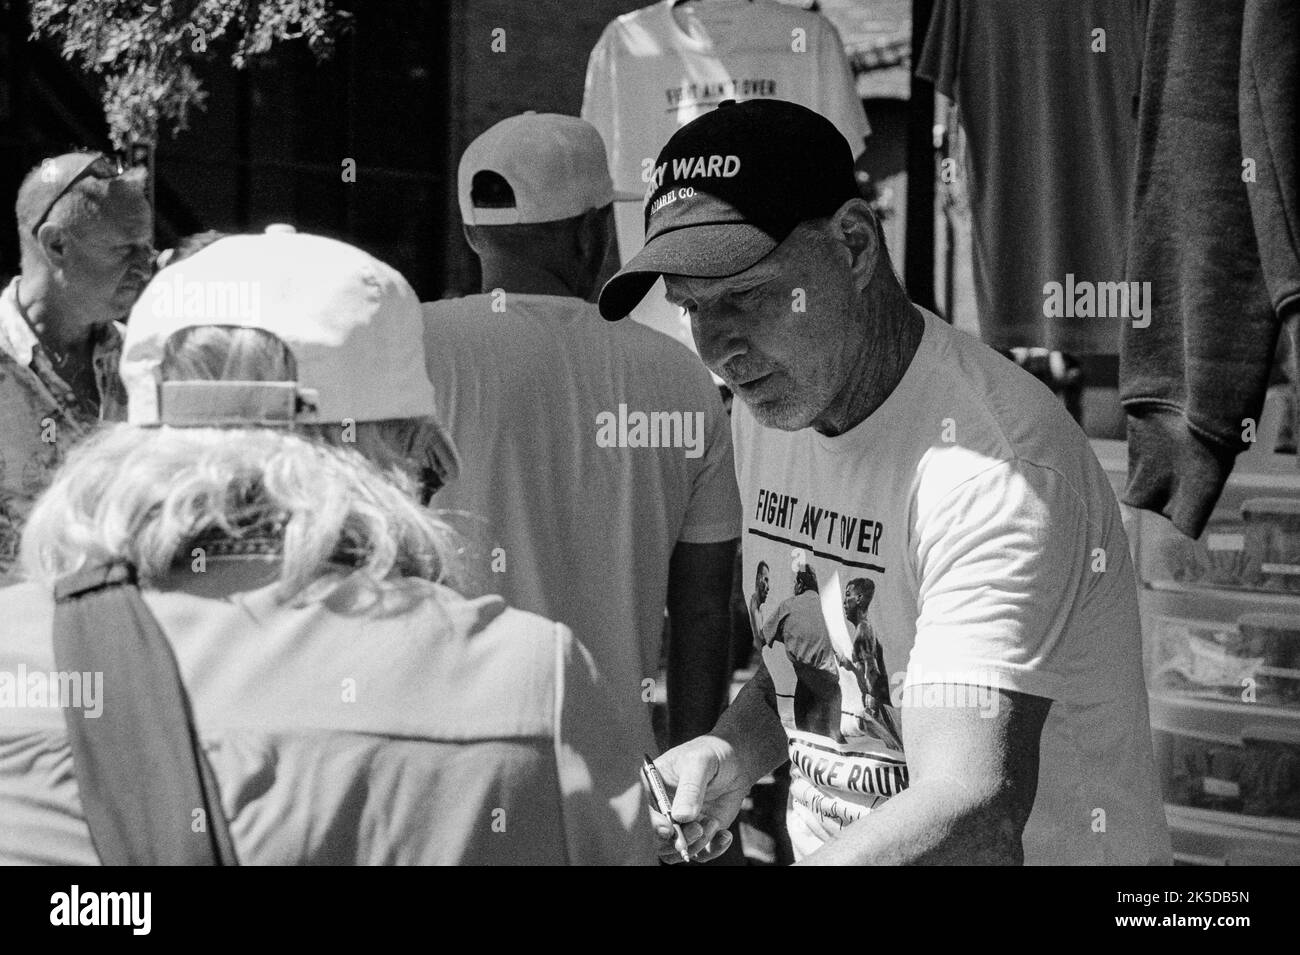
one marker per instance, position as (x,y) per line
(554,164)
(351,324)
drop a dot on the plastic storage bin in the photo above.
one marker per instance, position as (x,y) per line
(1218,618)
(1208,838)
(1253,660)
(1218,559)
(1212,756)
(1202,770)
(1251,542)
(1272,539)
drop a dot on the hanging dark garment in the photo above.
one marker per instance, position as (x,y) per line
(1193,378)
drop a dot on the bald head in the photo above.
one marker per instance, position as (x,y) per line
(71,188)
(86,235)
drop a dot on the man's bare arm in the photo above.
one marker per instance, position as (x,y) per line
(753,729)
(699,648)
(973,775)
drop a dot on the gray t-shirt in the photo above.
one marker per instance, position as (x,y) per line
(1046,103)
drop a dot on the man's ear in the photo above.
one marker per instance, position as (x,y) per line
(594,238)
(53,242)
(595,234)
(854,225)
(468,233)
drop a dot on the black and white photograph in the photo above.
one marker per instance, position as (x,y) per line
(693,433)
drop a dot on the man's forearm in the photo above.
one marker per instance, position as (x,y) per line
(935,822)
(699,642)
(753,730)
(699,672)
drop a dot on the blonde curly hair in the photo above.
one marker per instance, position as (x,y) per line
(148,495)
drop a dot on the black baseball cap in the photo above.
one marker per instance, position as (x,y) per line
(726,190)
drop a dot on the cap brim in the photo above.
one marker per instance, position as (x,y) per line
(702,251)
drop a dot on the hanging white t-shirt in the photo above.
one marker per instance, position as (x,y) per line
(976,507)
(656,69)
(588,450)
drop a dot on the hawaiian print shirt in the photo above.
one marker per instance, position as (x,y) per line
(41,418)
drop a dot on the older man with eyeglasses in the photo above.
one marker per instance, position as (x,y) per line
(85,230)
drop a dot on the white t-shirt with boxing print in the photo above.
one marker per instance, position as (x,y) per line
(962,534)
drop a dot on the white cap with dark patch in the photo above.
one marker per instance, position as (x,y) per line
(555,166)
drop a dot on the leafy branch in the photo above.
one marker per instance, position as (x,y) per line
(144,51)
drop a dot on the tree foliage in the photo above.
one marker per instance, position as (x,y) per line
(144,51)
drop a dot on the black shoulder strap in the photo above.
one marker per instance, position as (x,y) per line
(147,791)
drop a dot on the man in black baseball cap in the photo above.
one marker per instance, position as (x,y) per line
(726,197)
(873,441)
(725,192)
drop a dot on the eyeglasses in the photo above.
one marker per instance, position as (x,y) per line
(99,165)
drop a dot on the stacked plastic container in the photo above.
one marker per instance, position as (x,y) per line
(1221,629)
